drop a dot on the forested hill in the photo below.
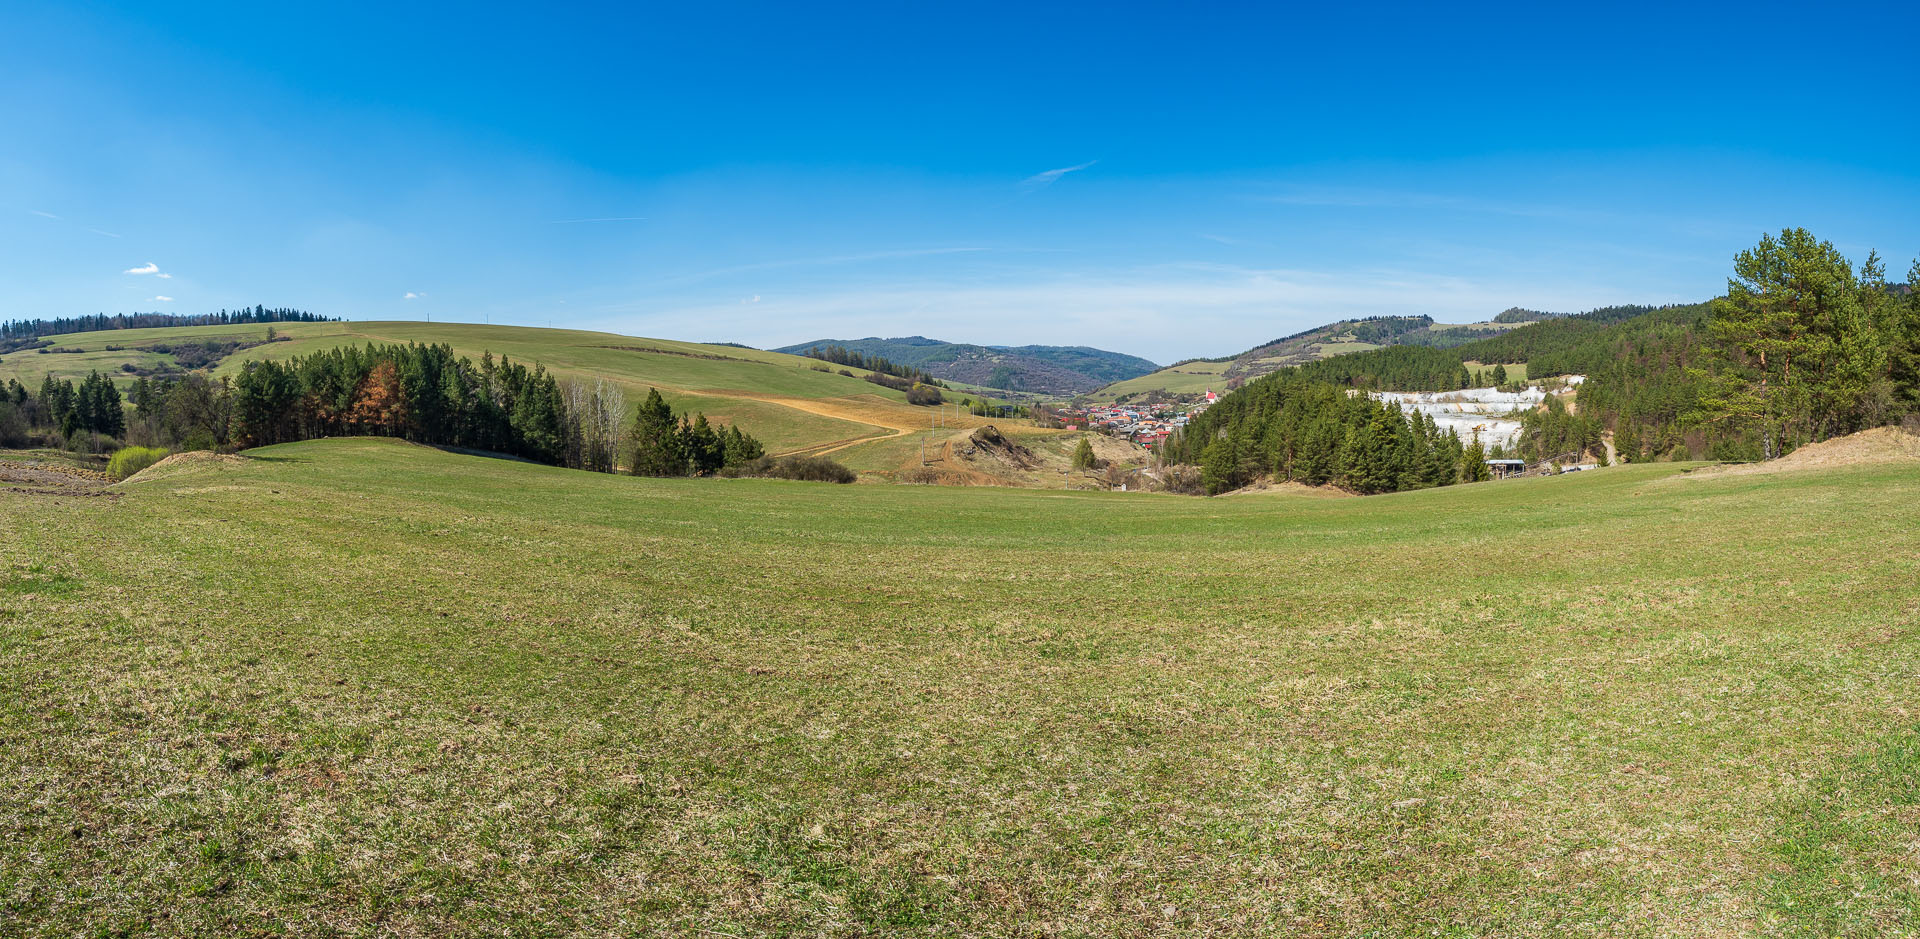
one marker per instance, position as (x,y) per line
(18,332)
(1035,369)
(1804,347)
(1341,338)
(1568,345)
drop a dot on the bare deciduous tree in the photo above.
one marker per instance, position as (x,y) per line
(596,415)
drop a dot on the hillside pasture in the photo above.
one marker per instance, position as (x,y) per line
(1187,378)
(357,686)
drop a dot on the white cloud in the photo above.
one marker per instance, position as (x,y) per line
(159,299)
(413,296)
(45,214)
(147,268)
(1039,181)
(753,299)
(166,276)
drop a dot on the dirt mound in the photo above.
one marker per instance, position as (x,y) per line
(989,443)
(1879,445)
(1290,488)
(192,459)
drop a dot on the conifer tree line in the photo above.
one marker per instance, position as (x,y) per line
(1289,428)
(1394,368)
(665,446)
(840,355)
(422,393)
(92,408)
(13,330)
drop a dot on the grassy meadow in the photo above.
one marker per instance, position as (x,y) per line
(358,687)
(1189,378)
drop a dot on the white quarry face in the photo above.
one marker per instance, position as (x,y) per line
(1488,412)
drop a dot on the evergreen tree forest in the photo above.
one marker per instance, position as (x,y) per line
(92,408)
(1289,428)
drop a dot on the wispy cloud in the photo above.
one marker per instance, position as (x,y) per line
(159,299)
(62,218)
(611,218)
(1162,312)
(824,261)
(147,268)
(1361,198)
(413,295)
(1039,181)
(753,299)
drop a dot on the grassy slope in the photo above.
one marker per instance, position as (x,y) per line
(728,383)
(1191,378)
(1483,373)
(481,697)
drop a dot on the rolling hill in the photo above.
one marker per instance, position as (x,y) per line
(791,403)
(1050,370)
(788,402)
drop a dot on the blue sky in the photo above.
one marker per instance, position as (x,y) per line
(1155,179)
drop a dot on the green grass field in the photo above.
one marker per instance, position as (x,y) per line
(1483,373)
(358,687)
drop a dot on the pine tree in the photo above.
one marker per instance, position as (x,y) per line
(655,444)
(705,451)
(1217,466)
(109,415)
(1473,468)
(1903,357)
(1774,327)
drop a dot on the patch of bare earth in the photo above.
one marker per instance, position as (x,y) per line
(35,477)
(1878,445)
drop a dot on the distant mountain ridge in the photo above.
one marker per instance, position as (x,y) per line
(1033,369)
(1338,338)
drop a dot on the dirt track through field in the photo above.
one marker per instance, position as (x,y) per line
(877,414)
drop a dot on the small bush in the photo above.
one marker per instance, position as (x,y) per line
(813,469)
(924,395)
(130,460)
(1183,479)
